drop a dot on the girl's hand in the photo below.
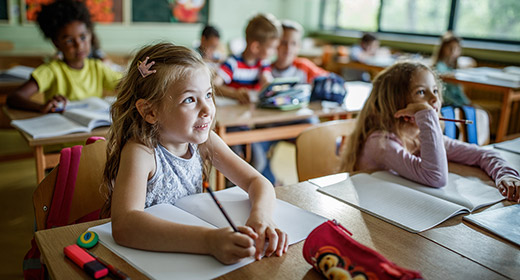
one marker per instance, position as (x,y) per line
(230,247)
(277,240)
(408,113)
(510,188)
(56,104)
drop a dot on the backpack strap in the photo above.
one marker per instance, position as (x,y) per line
(471,129)
(64,188)
(93,139)
(450,129)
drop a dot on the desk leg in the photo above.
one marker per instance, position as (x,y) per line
(505,114)
(40,163)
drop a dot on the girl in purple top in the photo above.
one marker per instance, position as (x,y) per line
(399,130)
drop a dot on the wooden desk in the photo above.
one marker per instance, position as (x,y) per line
(251,116)
(452,250)
(373,69)
(44,161)
(510,93)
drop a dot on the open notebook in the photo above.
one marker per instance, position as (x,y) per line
(78,116)
(409,205)
(201,210)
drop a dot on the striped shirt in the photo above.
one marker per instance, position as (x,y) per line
(237,74)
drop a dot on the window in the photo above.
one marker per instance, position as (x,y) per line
(358,14)
(488,20)
(411,16)
(329,14)
(499,20)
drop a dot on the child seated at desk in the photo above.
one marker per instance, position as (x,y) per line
(209,44)
(159,149)
(287,63)
(366,49)
(240,74)
(68,24)
(398,129)
(445,61)
(251,70)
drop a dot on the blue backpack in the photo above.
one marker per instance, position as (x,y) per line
(329,88)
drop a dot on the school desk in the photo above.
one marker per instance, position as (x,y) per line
(510,92)
(44,161)
(451,250)
(251,116)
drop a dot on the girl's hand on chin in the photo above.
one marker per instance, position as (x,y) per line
(408,113)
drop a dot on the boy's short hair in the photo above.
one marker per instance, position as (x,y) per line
(210,31)
(262,28)
(53,17)
(292,25)
(368,38)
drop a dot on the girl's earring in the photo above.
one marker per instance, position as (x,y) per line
(144,67)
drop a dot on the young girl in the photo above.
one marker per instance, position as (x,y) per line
(68,24)
(159,142)
(398,130)
(445,61)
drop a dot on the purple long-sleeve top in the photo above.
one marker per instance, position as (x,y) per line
(429,166)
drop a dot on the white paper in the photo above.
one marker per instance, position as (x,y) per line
(409,205)
(296,222)
(357,94)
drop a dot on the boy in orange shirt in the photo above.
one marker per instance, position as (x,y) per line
(288,64)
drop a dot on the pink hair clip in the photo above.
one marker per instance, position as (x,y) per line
(144,67)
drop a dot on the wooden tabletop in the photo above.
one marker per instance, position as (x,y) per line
(250,114)
(451,250)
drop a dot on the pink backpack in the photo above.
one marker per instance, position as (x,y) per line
(59,209)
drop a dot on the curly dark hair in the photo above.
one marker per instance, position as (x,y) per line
(53,17)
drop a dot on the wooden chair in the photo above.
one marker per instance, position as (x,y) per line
(317,148)
(87,196)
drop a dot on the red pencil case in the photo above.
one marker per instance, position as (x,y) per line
(332,251)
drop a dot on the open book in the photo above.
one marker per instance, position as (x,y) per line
(201,210)
(409,205)
(17,73)
(78,116)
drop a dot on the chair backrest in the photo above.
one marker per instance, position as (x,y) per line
(87,195)
(476,133)
(317,148)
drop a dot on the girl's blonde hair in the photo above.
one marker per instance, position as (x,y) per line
(172,64)
(390,93)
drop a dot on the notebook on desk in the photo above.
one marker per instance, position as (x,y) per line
(510,146)
(504,222)
(201,210)
(409,205)
(17,73)
(79,116)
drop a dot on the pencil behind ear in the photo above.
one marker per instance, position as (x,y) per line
(146,111)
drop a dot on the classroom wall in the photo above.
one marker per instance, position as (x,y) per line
(230,16)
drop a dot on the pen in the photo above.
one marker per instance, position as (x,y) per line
(113,270)
(460,121)
(207,187)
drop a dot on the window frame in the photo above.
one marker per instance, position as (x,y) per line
(450,27)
